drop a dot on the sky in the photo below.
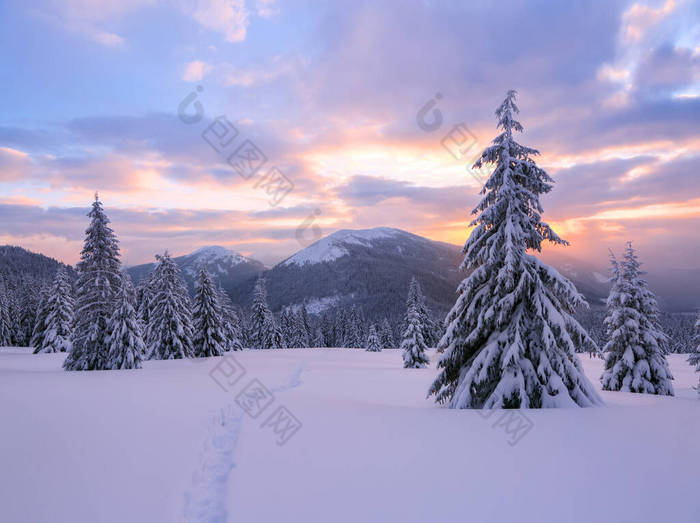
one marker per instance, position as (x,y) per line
(260,125)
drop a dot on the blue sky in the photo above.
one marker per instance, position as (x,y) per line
(330,91)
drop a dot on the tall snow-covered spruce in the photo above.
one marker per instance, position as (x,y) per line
(99,279)
(125,342)
(209,328)
(635,360)
(511,337)
(170,320)
(58,322)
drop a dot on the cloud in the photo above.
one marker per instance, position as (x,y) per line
(195,71)
(14,164)
(228,17)
(267,8)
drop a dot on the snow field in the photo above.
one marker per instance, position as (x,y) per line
(135,445)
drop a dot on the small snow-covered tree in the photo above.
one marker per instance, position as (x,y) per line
(170,320)
(265,332)
(209,328)
(511,336)
(412,342)
(386,335)
(233,337)
(99,279)
(416,300)
(126,346)
(373,344)
(58,323)
(635,360)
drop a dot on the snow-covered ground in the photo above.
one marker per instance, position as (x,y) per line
(167,443)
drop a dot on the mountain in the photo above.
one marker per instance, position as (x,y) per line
(370,268)
(228,267)
(17,263)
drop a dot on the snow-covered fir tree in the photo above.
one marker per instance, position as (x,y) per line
(10,313)
(126,346)
(29,302)
(209,327)
(305,331)
(42,313)
(511,338)
(416,300)
(5,328)
(352,329)
(327,329)
(412,342)
(233,338)
(386,335)
(170,320)
(635,360)
(319,340)
(287,325)
(264,330)
(57,332)
(144,302)
(373,344)
(99,279)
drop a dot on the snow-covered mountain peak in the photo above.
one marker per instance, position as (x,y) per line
(216,252)
(334,245)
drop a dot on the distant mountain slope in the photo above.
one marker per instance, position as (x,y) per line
(18,263)
(370,268)
(228,267)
